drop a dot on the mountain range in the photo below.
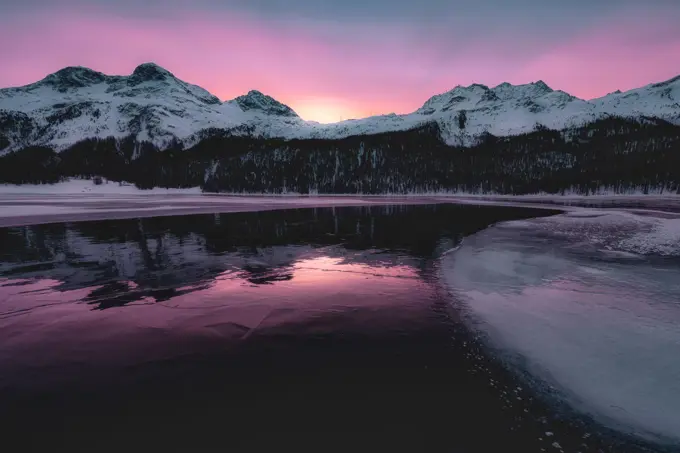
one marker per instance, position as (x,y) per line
(152,105)
(154,130)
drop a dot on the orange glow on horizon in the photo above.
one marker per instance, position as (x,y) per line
(327,110)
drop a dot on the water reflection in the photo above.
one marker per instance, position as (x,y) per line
(185,279)
(158,259)
(223,326)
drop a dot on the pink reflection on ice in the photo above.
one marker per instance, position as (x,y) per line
(225,312)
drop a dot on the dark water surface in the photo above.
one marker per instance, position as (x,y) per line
(309,329)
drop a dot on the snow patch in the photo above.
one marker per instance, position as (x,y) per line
(663,239)
(618,232)
(87,186)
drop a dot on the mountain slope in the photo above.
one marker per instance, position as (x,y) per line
(659,100)
(152,105)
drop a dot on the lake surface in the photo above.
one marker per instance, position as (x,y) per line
(326,329)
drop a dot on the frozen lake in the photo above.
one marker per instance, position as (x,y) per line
(586,302)
(315,329)
(545,330)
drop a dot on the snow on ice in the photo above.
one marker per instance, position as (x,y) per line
(587,302)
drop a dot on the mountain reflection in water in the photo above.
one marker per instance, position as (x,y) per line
(249,329)
(125,261)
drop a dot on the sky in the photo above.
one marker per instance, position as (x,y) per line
(339,59)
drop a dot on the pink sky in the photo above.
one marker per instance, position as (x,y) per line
(326,75)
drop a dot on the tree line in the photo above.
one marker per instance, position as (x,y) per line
(617,154)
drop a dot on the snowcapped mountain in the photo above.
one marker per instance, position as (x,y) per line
(153,105)
(257,101)
(150,104)
(660,100)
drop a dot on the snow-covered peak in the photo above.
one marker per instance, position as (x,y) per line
(458,98)
(674,82)
(660,100)
(73,77)
(534,96)
(541,85)
(150,71)
(506,91)
(258,101)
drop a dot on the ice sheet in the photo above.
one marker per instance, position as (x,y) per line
(571,300)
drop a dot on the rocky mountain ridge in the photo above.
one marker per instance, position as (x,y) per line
(152,105)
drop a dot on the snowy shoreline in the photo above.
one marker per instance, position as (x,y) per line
(87,186)
(82,200)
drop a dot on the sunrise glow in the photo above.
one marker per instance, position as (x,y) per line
(329,66)
(325,110)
